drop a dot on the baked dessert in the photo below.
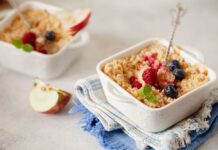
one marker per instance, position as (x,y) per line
(144,76)
(48,32)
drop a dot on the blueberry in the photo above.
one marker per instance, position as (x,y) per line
(171,90)
(50,36)
(174,64)
(179,74)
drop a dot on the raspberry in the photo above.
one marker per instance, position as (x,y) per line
(29,38)
(154,55)
(40,48)
(134,82)
(151,56)
(150,76)
(132,79)
(150,59)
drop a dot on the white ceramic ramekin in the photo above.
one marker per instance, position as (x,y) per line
(155,119)
(34,63)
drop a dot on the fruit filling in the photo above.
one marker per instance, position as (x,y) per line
(144,76)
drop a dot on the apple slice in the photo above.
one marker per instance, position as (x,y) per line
(47,99)
(75,20)
(82,18)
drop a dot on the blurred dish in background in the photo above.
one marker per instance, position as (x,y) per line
(47,33)
(45,66)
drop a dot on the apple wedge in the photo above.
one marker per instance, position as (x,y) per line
(82,18)
(47,99)
(75,20)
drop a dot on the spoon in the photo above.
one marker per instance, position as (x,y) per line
(179,13)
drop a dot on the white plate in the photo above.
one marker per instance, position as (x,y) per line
(34,63)
(155,119)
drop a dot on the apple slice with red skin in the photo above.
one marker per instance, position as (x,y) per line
(82,20)
(47,99)
(75,20)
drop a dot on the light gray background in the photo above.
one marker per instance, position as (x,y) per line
(114,26)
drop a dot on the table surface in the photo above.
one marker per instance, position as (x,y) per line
(114,26)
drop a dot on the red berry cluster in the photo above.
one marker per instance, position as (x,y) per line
(134,82)
(30,38)
(152,61)
(153,74)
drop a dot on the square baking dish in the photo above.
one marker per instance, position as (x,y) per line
(155,119)
(36,64)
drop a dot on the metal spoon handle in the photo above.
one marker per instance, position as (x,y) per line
(179,12)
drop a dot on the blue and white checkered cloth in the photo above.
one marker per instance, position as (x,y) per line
(90,93)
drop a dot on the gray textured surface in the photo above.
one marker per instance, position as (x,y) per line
(115,25)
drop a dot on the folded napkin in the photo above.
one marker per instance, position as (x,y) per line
(187,134)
